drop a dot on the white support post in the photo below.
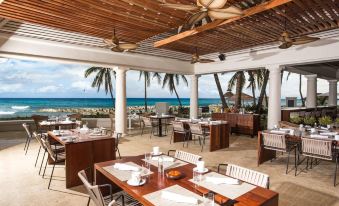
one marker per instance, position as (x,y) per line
(120,101)
(194,96)
(332,93)
(274,102)
(311,98)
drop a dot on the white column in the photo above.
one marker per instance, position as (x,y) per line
(311,96)
(194,96)
(120,101)
(274,102)
(332,94)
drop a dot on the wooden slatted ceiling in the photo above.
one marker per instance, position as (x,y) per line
(302,17)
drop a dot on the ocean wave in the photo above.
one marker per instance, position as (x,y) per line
(20,107)
(6,113)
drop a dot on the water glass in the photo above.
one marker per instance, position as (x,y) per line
(197,177)
(208,199)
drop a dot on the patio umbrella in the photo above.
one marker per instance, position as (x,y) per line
(228,94)
(244,97)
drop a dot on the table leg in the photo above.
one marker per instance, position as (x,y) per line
(160,128)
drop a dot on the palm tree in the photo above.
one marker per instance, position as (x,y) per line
(103,78)
(252,84)
(300,85)
(237,81)
(264,73)
(221,93)
(147,82)
(171,80)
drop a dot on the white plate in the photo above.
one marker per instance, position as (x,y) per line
(143,181)
(196,170)
(160,153)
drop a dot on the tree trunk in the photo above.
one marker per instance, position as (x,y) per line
(301,94)
(221,94)
(238,91)
(145,98)
(112,96)
(176,93)
(250,73)
(262,92)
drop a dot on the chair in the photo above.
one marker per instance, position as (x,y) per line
(247,175)
(279,143)
(178,127)
(57,157)
(148,123)
(38,138)
(99,200)
(169,122)
(112,118)
(185,156)
(37,119)
(322,150)
(75,116)
(117,140)
(29,136)
(285,124)
(197,131)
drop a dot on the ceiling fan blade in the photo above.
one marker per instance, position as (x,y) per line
(206,61)
(128,46)
(108,42)
(285,37)
(213,4)
(230,9)
(181,7)
(221,15)
(285,45)
(196,17)
(117,49)
(304,40)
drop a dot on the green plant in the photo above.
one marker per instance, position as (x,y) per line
(309,121)
(325,120)
(337,120)
(296,120)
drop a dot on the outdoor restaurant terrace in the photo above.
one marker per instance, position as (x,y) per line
(265,153)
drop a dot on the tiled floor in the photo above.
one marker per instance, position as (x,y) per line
(20,183)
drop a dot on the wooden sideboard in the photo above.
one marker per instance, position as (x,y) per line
(302,112)
(248,124)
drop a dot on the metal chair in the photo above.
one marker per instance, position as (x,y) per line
(148,123)
(29,136)
(75,116)
(321,150)
(37,119)
(112,118)
(117,137)
(57,157)
(185,156)
(197,131)
(247,175)
(178,127)
(279,143)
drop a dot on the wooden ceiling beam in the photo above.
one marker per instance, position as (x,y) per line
(248,12)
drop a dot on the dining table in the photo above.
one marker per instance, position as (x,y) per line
(161,120)
(51,125)
(82,152)
(150,193)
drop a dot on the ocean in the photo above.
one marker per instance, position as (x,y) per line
(26,107)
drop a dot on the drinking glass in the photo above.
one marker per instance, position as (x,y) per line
(208,199)
(197,177)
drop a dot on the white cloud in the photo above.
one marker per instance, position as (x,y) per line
(10,88)
(81,85)
(46,89)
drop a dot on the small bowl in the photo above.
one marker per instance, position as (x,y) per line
(174,174)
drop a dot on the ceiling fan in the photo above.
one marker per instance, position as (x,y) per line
(115,45)
(196,58)
(214,9)
(287,41)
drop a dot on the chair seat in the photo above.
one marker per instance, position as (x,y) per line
(61,157)
(129,201)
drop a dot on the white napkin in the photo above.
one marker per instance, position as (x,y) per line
(318,136)
(328,133)
(125,167)
(278,132)
(324,128)
(165,159)
(222,180)
(215,122)
(178,198)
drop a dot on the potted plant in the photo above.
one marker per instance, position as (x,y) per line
(325,120)
(310,121)
(296,120)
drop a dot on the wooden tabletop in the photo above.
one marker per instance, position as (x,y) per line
(79,137)
(161,117)
(257,196)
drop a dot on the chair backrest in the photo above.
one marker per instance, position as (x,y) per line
(112,118)
(248,175)
(49,149)
(75,116)
(27,129)
(178,126)
(187,157)
(117,137)
(317,148)
(93,191)
(37,119)
(274,141)
(196,129)
(38,138)
(147,121)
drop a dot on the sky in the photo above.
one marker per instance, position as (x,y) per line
(46,79)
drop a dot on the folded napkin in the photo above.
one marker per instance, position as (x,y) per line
(285,129)
(222,180)
(178,198)
(165,159)
(203,122)
(328,133)
(215,122)
(278,132)
(318,136)
(324,128)
(125,167)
